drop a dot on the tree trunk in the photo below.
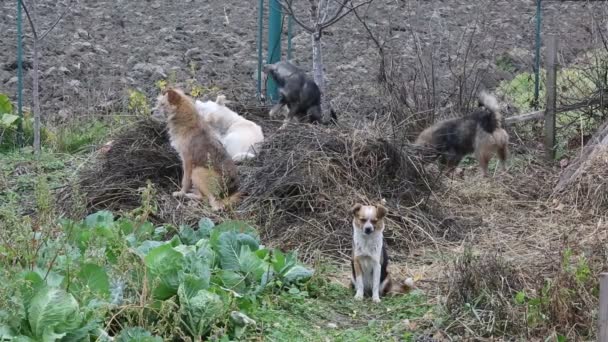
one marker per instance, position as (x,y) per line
(36,100)
(597,142)
(318,74)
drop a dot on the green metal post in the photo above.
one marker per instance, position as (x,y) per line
(289,36)
(19,75)
(274,44)
(260,33)
(537,52)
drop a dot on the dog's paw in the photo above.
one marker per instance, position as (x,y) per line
(359,296)
(216,205)
(376,299)
(178,194)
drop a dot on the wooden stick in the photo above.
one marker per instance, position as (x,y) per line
(602,335)
(551,86)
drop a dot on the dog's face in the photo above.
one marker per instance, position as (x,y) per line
(368,218)
(167,103)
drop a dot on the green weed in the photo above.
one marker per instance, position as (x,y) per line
(138,103)
(78,137)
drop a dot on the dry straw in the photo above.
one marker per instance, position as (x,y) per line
(299,190)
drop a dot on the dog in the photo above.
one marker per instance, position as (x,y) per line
(238,135)
(206,165)
(369,261)
(480,133)
(298,92)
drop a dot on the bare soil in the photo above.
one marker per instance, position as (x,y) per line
(102,47)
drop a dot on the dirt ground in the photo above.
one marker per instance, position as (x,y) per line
(102,48)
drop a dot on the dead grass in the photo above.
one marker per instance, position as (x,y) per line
(527,241)
(588,190)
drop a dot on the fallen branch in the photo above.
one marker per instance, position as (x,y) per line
(539,114)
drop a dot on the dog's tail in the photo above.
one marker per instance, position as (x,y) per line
(403,287)
(491,118)
(232,199)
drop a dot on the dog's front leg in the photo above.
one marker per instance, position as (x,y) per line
(186,179)
(276,109)
(358,280)
(376,283)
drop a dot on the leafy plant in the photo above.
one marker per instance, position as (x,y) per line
(210,274)
(9,123)
(138,103)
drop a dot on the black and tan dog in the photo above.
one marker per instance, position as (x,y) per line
(370,260)
(479,132)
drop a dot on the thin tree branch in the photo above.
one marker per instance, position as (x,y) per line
(369,31)
(336,19)
(67,9)
(29,18)
(338,12)
(287,6)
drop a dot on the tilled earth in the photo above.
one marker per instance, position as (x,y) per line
(102,48)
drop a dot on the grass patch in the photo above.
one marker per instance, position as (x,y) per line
(75,138)
(326,311)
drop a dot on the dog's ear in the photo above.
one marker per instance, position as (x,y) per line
(355,209)
(381,211)
(173,96)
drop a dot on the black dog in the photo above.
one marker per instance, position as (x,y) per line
(298,91)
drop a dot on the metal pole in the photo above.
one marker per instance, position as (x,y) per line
(537,53)
(260,33)
(274,44)
(19,75)
(289,36)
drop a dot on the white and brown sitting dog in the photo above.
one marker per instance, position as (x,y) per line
(370,259)
(239,136)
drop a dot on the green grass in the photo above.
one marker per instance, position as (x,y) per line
(79,138)
(327,311)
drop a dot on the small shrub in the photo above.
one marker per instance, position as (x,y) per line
(9,127)
(138,103)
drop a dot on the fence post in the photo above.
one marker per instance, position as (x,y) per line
(602,334)
(275,26)
(551,89)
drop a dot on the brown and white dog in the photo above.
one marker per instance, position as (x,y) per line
(206,165)
(370,260)
(479,132)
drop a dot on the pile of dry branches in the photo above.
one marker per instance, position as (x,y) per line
(302,185)
(299,189)
(114,179)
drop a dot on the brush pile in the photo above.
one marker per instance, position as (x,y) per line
(306,178)
(299,189)
(139,154)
